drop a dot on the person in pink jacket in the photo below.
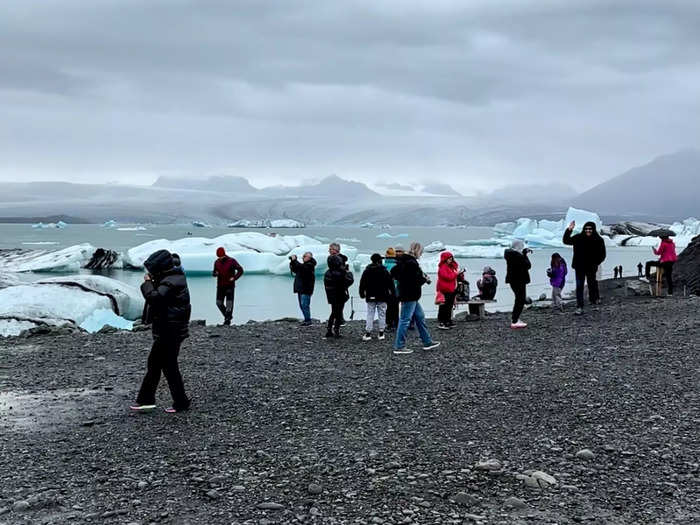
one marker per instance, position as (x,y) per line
(667,257)
(448,274)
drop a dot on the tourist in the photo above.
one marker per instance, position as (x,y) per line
(667,257)
(615,271)
(411,278)
(337,280)
(168,299)
(227,271)
(304,280)
(619,271)
(487,285)
(589,254)
(640,268)
(377,288)
(448,274)
(392,305)
(557,278)
(518,276)
(334,249)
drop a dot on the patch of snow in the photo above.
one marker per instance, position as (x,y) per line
(13,327)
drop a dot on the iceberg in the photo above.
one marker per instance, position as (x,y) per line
(200,224)
(110,224)
(132,229)
(70,259)
(435,246)
(352,240)
(385,235)
(103,317)
(265,223)
(476,252)
(286,223)
(51,225)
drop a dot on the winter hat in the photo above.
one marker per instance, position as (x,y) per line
(390,252)
(220,252)
(487,269)
(376,258)
(517,245)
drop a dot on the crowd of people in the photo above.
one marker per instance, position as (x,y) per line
(391,285)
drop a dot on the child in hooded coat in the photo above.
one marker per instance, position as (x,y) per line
(557,278)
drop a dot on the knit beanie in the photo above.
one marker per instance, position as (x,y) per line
(220,252)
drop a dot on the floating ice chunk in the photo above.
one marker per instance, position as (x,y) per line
(132,229)
(505,228)
(487,242)
(435,246)
(200,224)
(103,317)
(286,223)
(110,224)
(69,259)
(476,252)
(385,235)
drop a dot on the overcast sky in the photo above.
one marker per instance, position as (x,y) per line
(476,93)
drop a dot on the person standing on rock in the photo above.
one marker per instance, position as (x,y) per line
(640,268)
(304,281)
(392,305)
(448,274)
(336,281)
(377,288)
(589,254)
(518,276)
(667,258)
(557,278)
(411,279)
(227,271)
(168,298)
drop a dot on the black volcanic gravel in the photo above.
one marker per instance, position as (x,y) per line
(289,428)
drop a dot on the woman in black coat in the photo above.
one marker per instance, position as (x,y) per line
(337,280)
(168,310)
(518,276)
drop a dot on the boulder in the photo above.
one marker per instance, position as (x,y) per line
(686,271)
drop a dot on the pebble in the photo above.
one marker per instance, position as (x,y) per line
(544,478)
(142,484)
(269,505)
(462,498)
(238,488)
(514,503)
(213,494)
(21,505)
(585,454)
(314,488)
(489,464)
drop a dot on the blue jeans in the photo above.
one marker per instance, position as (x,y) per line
(305,305)
(411,310)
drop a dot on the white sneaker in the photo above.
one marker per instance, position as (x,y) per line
(381,336)
(367,337)
(519,325)
(443,327)
(432,345)
(402,351)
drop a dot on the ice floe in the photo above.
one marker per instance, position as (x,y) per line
(104,317)
(70,259)
(51,225)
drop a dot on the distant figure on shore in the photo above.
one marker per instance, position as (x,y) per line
(557,278)
(487,285)
(619,271)
(304,281)
(448,274)
(615,272)
(640,269)
(411,279)
(518,276)
(168,311)
(589,254)
(227,271)
(377,288)
(337,280)
(392,305)
(667,258)
(334,249)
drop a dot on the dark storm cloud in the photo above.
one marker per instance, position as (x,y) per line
(479,93)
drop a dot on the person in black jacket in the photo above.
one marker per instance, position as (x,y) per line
(589,253)
(377,287)
(168,309)
(410,279)
(518,276)
(337,280)
(304,280)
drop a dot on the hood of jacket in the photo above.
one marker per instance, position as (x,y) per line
(444,256)
(591,224)
(159,262)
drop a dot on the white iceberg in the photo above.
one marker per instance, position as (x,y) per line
(352,240)
(245,223)
(103,317)
(69,259)
(51,225)
(132,229)
(109,224)
(286,223)
(200,224)
(475,252)
(385,235)
(433,247)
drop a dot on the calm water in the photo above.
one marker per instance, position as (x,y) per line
(261,297)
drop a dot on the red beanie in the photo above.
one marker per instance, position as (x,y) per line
(220,252)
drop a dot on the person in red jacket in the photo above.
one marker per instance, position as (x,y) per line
(227,271)
(448,274)
(667,257)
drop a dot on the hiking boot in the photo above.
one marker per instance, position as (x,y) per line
(381,336)
(431,346)
(227,322)
(443,326)
(404,350)
(518,325)
(579,311)
(367,337)
(305,323)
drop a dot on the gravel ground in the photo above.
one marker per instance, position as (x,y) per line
(591,419)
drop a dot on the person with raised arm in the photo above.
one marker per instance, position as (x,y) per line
(589,254)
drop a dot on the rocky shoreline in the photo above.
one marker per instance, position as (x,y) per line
(574,420)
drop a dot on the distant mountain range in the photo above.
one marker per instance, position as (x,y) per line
(665,189)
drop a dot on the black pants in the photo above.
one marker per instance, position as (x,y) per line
(392,313)
(520,292)
(445,309)
(163,357)
(336,318)
(668,272)
(583,276)
(225,293)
